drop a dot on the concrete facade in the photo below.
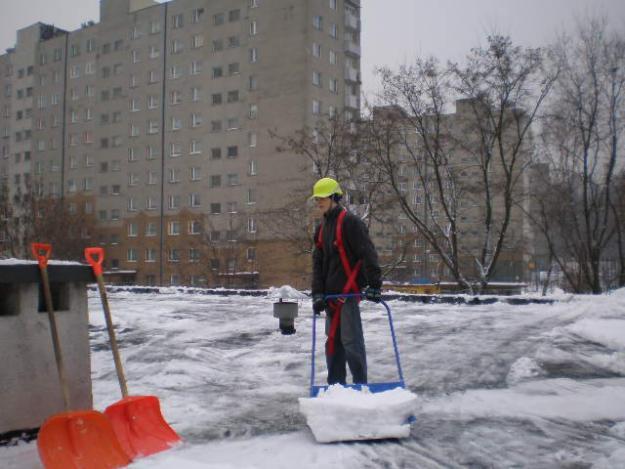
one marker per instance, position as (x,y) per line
(156,120)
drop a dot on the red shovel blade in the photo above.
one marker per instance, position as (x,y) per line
(140,426)
(79,440)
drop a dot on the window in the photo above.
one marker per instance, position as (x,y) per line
(150,229)
(153,127)
(90,46)
(74,71)
(233,69)
(233,41)
(219,19)
(115,214)
(174,150)
(233,96)
(194,200)
(316,49)
(152,77)
(333,4)
(196,147)
(233,179)
(194,256)
(134,105)
(155,27)
(176,46)
(215,236)
(316,106)
(174,201)
(152,101)
(133,179)
(196,173)
(215,208)
(196,120)
(134,55)
(252,83)
(316,78)
(154,52)
(233,151)
(152,178)
(150,254)
(217,72)
(251,225)
(197,41)
(216,126)
(234,15)
(218,45)
(332,57)
(132,204)
(176,123)
(173,228)
(334,31)
(253,112)
(253,55)
(253,28)
(252,168)
(151,204)
(177,21)
(215,153)
(196,67)
(215,180)
(175,72)
(252,3)
(150,154)
(175,97)
(216,99)
(232,123)
(318,22)
(334,85)
(197,15)
(251,196)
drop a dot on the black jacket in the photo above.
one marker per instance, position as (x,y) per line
(328,274)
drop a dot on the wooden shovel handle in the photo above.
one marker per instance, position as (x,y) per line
(95,257)
(42,252)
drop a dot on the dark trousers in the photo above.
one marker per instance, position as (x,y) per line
(349,346)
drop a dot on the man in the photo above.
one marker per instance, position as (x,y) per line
(344,261)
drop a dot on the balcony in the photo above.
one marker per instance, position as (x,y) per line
(352,74)
(352,21)
(352,48)
(352,101)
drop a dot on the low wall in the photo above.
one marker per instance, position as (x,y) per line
(29,386)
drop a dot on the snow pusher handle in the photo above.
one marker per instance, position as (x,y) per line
(95,257)
(390,321)
(41,252)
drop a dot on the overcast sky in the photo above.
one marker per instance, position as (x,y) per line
(394,32)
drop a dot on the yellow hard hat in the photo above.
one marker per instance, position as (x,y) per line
(325,187)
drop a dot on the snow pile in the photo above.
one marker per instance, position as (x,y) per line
(14,261)
(346,414)
(523,369)
(286,292)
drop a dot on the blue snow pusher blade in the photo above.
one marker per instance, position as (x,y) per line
(373,387)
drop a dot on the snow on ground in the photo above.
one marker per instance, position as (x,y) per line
(498,385)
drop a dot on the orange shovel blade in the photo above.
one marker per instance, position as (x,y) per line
(80,440)
(140,426)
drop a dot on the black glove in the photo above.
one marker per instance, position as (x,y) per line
(319,303)
(373,294)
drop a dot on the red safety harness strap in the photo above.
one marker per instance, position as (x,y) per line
(350,286)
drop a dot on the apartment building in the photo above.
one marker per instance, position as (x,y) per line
(400,243)
(156,121)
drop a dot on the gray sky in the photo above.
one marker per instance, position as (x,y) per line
(394,32)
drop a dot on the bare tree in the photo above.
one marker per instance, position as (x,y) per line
(470,165)
(581,135)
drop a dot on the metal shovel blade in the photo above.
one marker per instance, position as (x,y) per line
(140,427)
(80,440)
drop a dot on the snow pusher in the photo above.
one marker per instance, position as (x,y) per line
(72,439)
(351,412)
(137,420)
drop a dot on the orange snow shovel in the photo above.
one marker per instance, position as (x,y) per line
(137,420)
(77,439)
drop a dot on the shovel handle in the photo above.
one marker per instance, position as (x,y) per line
(42,252)
(95,257)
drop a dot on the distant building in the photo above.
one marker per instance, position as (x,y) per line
(156,120)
